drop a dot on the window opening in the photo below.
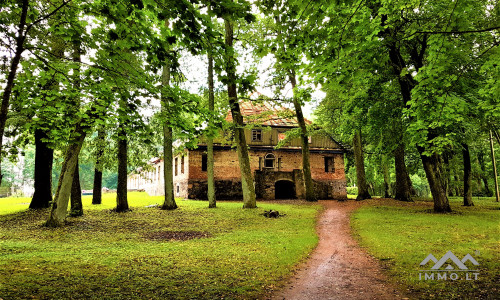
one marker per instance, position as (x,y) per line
(329,164)
(256,135)
(269,161)
(176,162)
(204,162)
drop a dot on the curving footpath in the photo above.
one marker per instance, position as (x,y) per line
(338,268)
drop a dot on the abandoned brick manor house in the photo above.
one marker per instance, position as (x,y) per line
(277,172)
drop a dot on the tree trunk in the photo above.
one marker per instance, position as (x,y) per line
(403,192)
(387,179)
(44,157)
(168,174)
(433,172)
(20,38)
(494,167)
(430,163)
(247,182)
(76,190)
(210,142)
(121,189)
(97,188)
(484,178)
(467,176)
(306,165)
(60,204)
(76,194)
(360,167)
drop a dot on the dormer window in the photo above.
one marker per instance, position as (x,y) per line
(269,160)
(256,135)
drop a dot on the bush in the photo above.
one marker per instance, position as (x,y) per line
(352,190)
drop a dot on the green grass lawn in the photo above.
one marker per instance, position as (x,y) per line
(403,234)
(107,255)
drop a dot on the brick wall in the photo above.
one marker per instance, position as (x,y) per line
(227,172)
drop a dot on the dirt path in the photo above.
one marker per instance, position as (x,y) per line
(338,268)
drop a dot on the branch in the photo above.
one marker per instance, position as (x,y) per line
(47,16)
(461,32)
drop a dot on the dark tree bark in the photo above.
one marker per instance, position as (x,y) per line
(210,141)
(484,178)
(247,182)
(432,163)
(385,171)
(20,38)
(495,176)
(97,188)
(402,187)
(360,167)
(121,189)
(467,176)
(76,194)
(44,157)
(434,176)
(304,138)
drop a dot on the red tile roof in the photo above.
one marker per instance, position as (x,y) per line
(266,114)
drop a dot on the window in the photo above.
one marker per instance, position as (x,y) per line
(204,162)
(329,165)
(176,162)
(269,161)
(182,165)
(256,135)
(178,189)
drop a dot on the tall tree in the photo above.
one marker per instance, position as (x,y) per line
(360,167)
(76,194)
(168,174)
(495,175)
(44,156)
(121,190)
(97,187)
(247,182)
(403,184)
(467,176)
(210,141)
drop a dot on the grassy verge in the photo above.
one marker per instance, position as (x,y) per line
(403,234)
(123,256)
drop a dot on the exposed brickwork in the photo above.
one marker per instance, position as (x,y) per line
(287,166)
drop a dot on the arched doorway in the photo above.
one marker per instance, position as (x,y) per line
(284,189)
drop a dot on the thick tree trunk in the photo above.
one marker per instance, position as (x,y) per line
(168,175)
(44,157)
(484,178)
(97,188)
(306,165)
(61,199)
(210,142)
(360,167)
(433,172)
(20,38)
(467,176)
(403,192)
(247,182)
(76,194)
(387,179)
(495,176)
(121,190)
(430,163)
